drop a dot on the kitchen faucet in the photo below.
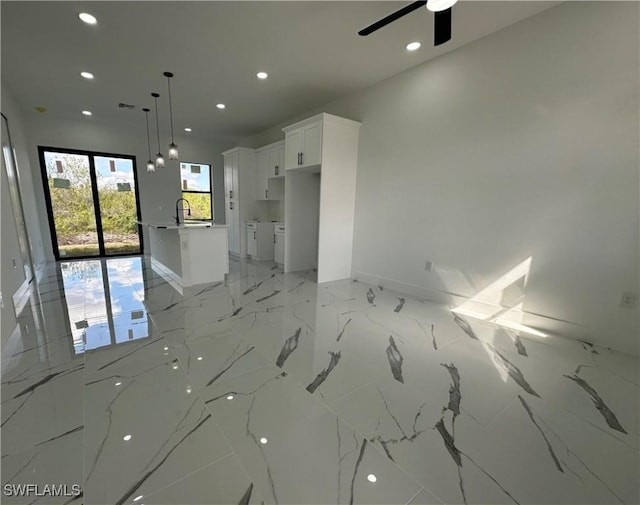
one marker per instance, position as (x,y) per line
(178,208)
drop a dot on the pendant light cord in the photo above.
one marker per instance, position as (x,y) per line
(157,123)
(146,114)
(170,108)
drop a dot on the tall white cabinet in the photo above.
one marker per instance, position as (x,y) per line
(321,160)
(239,195)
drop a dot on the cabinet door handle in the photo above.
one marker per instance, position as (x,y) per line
(266,194)
(277,169)
(301,158)
(299,162)
(230,193)
(231,205)
(274,239)
(254,235)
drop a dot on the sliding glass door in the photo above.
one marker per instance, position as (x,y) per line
(92,202)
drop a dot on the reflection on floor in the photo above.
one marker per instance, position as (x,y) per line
(271,389)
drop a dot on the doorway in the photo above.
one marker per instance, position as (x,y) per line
(92,203)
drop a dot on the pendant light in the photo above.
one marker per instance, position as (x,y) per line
(150,166)
(159,158)
(173,148)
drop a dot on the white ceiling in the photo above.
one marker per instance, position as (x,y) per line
(311,51)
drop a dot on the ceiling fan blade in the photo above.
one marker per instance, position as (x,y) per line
(392,17)
(442,27)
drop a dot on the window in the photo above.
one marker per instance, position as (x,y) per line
(196,189)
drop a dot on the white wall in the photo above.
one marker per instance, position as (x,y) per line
(302,193)
(522,144)
(158,191)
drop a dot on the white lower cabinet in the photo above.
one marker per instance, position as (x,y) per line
(252,240)
(260,241)
(233,226)
(278,238)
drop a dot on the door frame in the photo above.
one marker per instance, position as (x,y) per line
(15,193)
(96,200)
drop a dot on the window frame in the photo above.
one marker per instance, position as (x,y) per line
(210,192)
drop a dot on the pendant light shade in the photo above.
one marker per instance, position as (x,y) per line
(150,166)
(159,158)
(173,148)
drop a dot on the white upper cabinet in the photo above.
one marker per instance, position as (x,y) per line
(276,160)
(262,174)
(292,148)
(231,164)
(269,164)
(303,144)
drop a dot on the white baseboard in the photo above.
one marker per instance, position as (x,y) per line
(550,325)
(409,289)
(167,274)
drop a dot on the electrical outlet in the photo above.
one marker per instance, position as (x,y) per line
(629,300)
(428,266)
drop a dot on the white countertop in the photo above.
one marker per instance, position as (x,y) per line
(189,226)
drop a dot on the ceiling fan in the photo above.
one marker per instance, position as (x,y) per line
(442,19)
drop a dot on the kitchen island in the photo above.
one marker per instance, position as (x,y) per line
(186,255)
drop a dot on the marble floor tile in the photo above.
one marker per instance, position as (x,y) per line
(221,483)
(270,388)
(424,437)
(57,462)
(424,497)
(271,425)
(145,427)
(215,360)
(42,406)
(561,458)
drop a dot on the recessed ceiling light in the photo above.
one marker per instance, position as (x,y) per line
(187,129)
(263,440)
(230,397)
(88,18)
(199,358)
(440,5)
(262,75)
(413,46)
(87,112)
(118,383)
(126,438)
(220,105)
(371,478)
(86,75)
(138,498)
